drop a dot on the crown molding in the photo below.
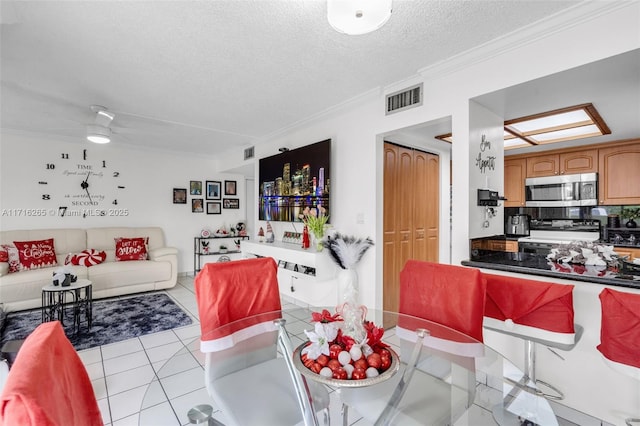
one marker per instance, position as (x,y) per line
(557,23)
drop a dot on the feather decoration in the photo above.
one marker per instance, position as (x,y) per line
(345,250)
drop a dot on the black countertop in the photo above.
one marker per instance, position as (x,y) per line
(536,264)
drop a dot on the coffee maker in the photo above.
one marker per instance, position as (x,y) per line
(517,225)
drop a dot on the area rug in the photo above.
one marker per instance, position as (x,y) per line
(114,320)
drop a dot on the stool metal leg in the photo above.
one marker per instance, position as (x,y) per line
(530,372)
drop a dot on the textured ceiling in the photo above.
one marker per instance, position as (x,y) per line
(204,76)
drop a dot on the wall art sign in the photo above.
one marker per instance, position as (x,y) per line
(484,161)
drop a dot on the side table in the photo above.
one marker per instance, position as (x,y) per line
(54,301)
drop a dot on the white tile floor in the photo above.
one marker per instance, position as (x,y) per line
(135,384)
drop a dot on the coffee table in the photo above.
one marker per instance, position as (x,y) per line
(54,302)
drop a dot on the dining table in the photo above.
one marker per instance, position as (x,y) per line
(437,376)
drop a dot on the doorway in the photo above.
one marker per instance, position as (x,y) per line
(411,187)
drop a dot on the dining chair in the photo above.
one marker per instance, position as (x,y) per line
(48,384)
(536,312)
(620,335)
(241,329)
(436,382)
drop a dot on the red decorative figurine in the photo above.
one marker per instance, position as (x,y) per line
(306,242)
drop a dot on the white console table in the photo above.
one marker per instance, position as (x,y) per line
(308,276)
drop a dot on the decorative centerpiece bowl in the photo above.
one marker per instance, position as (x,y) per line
(350,383)
(345,354)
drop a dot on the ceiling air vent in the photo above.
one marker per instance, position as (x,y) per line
(404,99)
(248,153)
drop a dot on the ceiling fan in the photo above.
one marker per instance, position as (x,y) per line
(99,131)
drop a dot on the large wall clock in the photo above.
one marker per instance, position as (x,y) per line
(90,186)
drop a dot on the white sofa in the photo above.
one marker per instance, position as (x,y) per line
(22,290)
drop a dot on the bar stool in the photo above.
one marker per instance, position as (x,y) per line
(537,312)
(620,334)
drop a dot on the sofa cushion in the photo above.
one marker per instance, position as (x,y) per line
(102,238)
(4,254)
(131,248)
(36,254)
(89,257)
(109,275)
(13,259)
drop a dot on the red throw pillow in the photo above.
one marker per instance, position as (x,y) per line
(88,257)
(4,254)
(36,254)
(131,248)
(12,257)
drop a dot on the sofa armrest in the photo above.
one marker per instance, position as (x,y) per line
(159,253)
(4,268)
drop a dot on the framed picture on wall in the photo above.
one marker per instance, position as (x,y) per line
(214,208)
(213,190)
(197,205)
(195,187)
(231,203)
(179,196)
(230,187)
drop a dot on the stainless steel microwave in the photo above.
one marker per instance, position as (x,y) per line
(562,190)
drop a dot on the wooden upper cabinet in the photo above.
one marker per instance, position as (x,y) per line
(579,162)
(585,161)
(515,172)
(543,165)
(619,175)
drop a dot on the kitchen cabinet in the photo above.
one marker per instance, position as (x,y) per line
(626,251)
(495,245)
(619,175)
(515,172)
(584,161)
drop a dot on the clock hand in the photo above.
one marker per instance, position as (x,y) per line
(85,185)
(88,195)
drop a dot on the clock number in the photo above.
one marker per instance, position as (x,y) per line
(115,202)
(46,196)
(84,154)
(116,174)
(104,164)
(62,210)
(50,166)
(65,156)
(120,187)
(42,182)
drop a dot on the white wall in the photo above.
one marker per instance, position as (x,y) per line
(148,176)
(486,169)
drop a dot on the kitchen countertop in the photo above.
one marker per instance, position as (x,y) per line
(536,264)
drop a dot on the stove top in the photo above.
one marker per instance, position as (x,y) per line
(562,231)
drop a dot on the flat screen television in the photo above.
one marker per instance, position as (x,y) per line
(293,180)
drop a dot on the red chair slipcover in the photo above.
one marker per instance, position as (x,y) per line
(620,329)
(447,294)
(230,291)
(546,309)
(48,384)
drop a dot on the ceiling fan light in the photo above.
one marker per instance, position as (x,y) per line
(355,17)
(98,134)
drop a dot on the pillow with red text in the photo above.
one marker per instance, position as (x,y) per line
(89,257)
(11,254)
(36,254)
(131,248)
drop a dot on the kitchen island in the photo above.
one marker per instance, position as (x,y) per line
(590,384)
(537,264)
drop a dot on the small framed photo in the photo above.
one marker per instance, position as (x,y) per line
(179,196)
(213,190)
(195,187)
(197,205)
(230,187)
(231,203)
(214,208)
